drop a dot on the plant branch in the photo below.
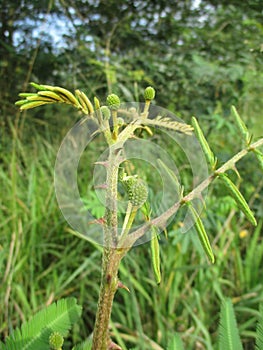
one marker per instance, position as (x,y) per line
(195,193)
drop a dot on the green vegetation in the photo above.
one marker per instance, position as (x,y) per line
(211,60)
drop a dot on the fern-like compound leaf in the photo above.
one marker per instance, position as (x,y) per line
(165,122)
(83,346)
(229,338)
(34,334)
(259,338)
(175,343)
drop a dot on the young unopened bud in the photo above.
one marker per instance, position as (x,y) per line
(56,341)
(149,93)
(120,121)
(105,112)
(138,193)
(96,103)
(113,101)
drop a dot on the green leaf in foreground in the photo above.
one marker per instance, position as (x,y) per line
(229,338)
(34,335)
(175,343)
(83,346)
(259,338)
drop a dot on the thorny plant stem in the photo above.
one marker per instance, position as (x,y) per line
(108,288)
(114,250)
(111,255)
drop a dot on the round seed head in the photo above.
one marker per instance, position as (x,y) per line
(149,93)
(55,341)
(138,193)
(113,101)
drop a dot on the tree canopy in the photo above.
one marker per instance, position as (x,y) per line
(202,55)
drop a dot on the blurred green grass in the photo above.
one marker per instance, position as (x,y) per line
(41,261)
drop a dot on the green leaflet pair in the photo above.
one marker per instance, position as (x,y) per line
(199,226)
(241,203)
(229,185)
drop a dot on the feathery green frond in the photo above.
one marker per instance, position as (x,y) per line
(58,317)
(168,123)
(54,94)
(259,338)
(229,338)
(83,346)
(175,343)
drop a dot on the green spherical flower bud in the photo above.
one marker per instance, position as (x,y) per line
(120,121)
(105,112)
(138,193)
(56,341)
(149,93)
(128,181)
(113,101)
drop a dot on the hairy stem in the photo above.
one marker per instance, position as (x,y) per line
(108,288)
(111,256)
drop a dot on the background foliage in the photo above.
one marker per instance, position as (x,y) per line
(201,57)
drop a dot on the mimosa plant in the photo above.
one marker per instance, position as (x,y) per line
(118,125)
